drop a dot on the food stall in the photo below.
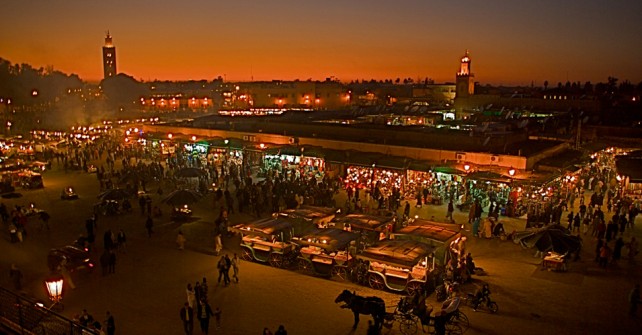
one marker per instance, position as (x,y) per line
(325,252)
(398,265)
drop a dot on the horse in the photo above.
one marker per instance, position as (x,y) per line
(374,306)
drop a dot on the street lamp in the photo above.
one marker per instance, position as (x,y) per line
(511,172)
(54,285)
(466,167)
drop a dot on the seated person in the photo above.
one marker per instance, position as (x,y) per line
(498,230)
(481,296)
(157,211)
(127,206)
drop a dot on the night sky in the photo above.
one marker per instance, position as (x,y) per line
(511,41)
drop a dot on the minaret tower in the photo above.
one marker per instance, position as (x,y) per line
(465,78)
(109,57)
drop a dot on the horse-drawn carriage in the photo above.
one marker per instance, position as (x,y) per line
(397,265)
(270,240)
(410,313)
(325,252)
(372,228)
(435,234)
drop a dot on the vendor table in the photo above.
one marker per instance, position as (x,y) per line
(554,263)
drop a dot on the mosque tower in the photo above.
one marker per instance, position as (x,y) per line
(465,78)
(109,58)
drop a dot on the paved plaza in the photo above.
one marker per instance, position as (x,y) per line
(148,288)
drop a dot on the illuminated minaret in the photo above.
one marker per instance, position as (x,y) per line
(465,78)
(109,58)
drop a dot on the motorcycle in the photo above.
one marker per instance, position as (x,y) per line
(473,301)
(447,290)
(107,207)
(68,194)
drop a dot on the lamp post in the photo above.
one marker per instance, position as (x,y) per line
(54,285)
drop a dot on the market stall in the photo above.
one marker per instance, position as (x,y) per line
(296,161)
(434,184)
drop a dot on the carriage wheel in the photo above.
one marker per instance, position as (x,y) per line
(376,282)
(414,287)
(340,271)
(408,325)
(276,260)
(462,319)
(247,255)
(304,265)
(453,329)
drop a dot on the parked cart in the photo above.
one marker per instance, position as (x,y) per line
(325,252)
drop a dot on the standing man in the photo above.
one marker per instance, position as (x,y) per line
(112,261)
(235,266)
(634,300)
(149,224)
(187,316)
(451,209)
(204,313)
(110,324)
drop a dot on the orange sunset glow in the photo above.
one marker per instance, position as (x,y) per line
(257,40)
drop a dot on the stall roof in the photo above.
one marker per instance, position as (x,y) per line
(398,252)
(449,170)
(488,176)
(630,166)
(420,165)
(233,143)
(336,239)
(365,221)
(438,232)
(264,227)
(308,212)
(391,162)
(353,157)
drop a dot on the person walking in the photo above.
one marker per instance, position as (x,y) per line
(187,316)
(204,313)
(226,269)
(104,262)
(634,300)
(180,240)
(112,262)
(281,331)
(451,209)
(191,296)
(142,202)
(110,324)
(16,277)
(217,317)
(218,244)
(122,241)
(235,266)
(149,224)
